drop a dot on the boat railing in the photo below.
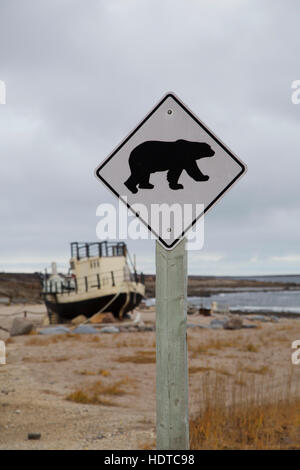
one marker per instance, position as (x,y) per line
(91,282)
(81,250)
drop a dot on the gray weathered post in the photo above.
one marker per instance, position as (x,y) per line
(172,423)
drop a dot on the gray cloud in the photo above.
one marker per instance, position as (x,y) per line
(79,77)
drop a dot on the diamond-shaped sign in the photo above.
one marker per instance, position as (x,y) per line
(170,160)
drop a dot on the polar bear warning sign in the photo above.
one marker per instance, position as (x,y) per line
(171,162)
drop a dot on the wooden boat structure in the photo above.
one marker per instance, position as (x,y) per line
(99,280)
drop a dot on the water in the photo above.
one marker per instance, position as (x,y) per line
(287,301)
(292,278)
(270,301)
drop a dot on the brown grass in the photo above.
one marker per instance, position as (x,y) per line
(47,359)
(91,394)
(215,344)
(9,340)
(49,339)
(250,348)
(140,357)
(256,370)
(195,369)
(103,372)
(235,417)
(83,397)
(134,342)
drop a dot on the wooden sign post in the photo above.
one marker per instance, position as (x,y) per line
(172,422)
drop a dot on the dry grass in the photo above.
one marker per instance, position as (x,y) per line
(92,394)
(49,339)
(235,417)
(103,372)
(46,359)
(215,344)
(83,397)
(140,357)
(250,348)
(195,369)
(134,342)
(9,340)
(148,445)
(256,370)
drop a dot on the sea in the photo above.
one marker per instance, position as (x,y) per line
(258,300)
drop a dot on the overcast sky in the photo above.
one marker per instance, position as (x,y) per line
(81,74)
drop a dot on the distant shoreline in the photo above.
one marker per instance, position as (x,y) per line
(26,287)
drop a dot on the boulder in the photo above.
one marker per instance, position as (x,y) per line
(145,327)
(108,318)
(34,436)
(103,318)
(45,321)
(191,309)
(97,318)
(204,311)
(110,329)
(235,323)
(21,326)
(217,324)
(55,330)
(78,320)
(85,330)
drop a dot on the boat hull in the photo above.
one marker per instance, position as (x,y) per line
(68,310)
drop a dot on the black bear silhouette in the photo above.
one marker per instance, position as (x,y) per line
(153,155)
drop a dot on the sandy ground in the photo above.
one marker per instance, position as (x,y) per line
(40,374)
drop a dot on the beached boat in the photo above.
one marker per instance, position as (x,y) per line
(99,280)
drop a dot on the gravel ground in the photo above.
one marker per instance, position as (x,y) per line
(41,372)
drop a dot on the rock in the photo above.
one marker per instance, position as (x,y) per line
(258,318)
(204,311)
(55,330)
(145,327)
(217,324)
(195,325)
(103,318)
(21,326)
(34,436)
(249,326)
(78,320)
(132,329)
(110,329)
(234,323)
(85,330)
(45,321)
(137,318)
(123,329)
(191,309)
(109,318)
(97,318)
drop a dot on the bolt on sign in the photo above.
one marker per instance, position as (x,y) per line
(171,165)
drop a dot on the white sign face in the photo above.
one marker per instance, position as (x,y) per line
(170,170)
